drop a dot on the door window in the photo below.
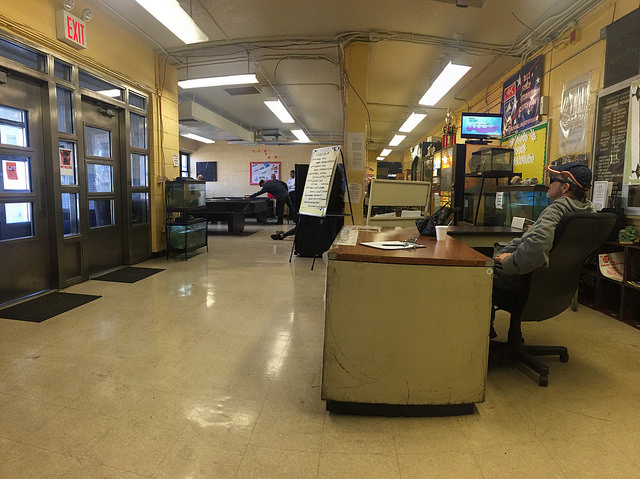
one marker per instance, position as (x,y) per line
(13,126)
(100,213)
(16,220)
(138,130)
(139,170)
(68,163)
(64,101)
(99,178)
(70,214)
(98,142)
(15,174)
(139,208)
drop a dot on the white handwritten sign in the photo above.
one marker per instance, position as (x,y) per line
(317,187)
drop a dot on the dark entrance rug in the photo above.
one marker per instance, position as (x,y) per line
(128,274)
(40,309)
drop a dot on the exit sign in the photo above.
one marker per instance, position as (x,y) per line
(71,30)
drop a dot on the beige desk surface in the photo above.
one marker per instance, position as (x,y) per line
(450,252)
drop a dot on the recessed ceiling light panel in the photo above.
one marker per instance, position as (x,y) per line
(218,81)
(451,75)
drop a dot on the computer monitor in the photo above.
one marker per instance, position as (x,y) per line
(481,126)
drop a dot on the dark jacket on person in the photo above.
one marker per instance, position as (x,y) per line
(275,187)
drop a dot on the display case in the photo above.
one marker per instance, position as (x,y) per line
(522,201)
(448,179)
(480,198)
(491,159)
(185,194)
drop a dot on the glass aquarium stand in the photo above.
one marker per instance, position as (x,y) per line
(186,234)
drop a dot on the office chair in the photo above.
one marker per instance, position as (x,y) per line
(551,289)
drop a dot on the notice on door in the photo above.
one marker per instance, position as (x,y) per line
(319,180)
(66,161)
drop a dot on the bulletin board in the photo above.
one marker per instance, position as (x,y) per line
(317,186)
(262,170)
(530,151)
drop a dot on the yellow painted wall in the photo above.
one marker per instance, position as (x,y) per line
(116,53)
(356,64)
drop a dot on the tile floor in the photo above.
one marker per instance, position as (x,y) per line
(212,369)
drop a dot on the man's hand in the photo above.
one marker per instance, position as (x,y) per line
(500,258)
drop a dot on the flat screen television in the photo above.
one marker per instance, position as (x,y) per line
(481,126)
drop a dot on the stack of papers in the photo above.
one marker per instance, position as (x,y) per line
(392,245)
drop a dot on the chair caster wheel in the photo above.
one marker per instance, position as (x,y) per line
(564,357)
(543,381)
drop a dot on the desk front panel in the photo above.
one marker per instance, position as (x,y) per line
(406,334)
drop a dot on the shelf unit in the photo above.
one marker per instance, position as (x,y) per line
(620,300)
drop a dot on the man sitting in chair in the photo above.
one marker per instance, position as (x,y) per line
(568,188)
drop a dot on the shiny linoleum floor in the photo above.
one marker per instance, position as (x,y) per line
(212,369)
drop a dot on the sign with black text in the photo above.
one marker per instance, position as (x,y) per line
(317,187)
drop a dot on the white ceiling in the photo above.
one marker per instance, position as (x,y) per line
(296,47)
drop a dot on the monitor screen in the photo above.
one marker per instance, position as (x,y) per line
(481,126)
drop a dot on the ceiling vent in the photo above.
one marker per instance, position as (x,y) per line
(465,3)
(272,135)
(244,90)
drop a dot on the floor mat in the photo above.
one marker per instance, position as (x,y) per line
(128,274)
(40,309)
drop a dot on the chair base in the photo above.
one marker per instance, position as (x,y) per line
(516,351)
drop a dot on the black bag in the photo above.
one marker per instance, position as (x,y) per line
(427,226)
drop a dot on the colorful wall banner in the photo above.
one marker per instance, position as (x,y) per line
(521,98)
(529,151)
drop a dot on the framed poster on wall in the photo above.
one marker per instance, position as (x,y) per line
(262,170)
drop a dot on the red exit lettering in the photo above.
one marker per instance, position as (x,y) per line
(75,31)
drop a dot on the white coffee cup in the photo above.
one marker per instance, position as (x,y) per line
(441,233)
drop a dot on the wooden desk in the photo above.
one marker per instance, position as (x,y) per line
(406,332)
(483,236)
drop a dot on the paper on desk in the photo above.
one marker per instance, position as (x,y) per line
(392,245)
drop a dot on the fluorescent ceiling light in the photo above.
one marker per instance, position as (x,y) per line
(380,158)
(300,135)
(413,121)
(201,139)
(396,140)
(114,93)
(445,82)
(385,152)
(218,81)
(279,110)
(172,16)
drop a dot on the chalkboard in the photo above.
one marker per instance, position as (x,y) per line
(610,136)
(622,57)
(208,169)
(322,167)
